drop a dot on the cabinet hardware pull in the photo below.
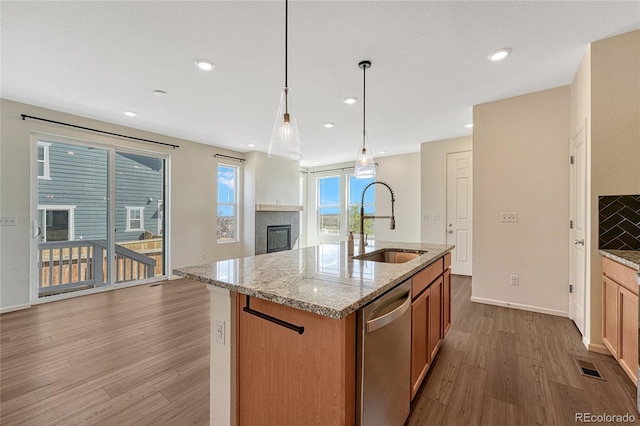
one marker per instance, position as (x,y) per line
(275,320)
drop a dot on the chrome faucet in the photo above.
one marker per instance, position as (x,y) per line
(392,225)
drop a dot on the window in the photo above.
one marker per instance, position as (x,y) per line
(43,160)
(57,222)
(135,219)
(356,186)
(329,205)
(227,225)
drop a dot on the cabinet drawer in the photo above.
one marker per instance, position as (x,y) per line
(622,274)
(422,279)
(447,260)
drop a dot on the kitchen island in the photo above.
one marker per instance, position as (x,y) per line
(300,370)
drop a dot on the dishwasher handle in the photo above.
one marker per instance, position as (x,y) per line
(388,318)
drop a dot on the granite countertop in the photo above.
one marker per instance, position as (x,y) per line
(320,279)
(631,258)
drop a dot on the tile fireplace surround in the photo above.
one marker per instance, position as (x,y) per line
(270,218)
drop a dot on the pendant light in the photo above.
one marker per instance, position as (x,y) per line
(365,164)
(285,137)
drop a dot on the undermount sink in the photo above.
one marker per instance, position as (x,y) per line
(390,255)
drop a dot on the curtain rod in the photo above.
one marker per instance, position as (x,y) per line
(230,157)
(25,116)
(341,169)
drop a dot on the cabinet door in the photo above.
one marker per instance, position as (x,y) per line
(313,373)
(628,343)
(435,317)
(420,355)
(610,315)
(446,303)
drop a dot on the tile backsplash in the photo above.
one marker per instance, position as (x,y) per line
(619,219)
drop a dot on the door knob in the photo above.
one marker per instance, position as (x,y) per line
(581,242)
(450,231)
(451,224)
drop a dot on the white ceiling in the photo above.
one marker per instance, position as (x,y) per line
(96,59)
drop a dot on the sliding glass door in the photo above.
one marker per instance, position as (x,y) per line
(138,217)
(99,219)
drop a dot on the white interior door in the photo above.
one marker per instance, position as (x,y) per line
(459,210)
(577,249)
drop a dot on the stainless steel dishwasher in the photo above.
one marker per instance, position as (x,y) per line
(383,354)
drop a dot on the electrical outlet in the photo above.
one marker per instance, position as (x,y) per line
(436,216)
(7,221)
(514,280)
(426,217)
(204,256)
(220,331)
(509,217)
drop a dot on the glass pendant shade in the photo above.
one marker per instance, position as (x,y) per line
(285,136)
(365,164)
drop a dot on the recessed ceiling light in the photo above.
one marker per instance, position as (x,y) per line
(328,125)
(70,152)
(349,101)
(468,126)
(205,65)
(499,54)
(130,113)
(160,93)
(251,145)
(382,151)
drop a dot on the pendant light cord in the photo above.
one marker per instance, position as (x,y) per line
(364,106)
(286,56)
(286,38)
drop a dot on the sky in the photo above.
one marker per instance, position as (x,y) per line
(329,193)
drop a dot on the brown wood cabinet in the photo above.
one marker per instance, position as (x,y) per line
(420,353)
(295,377)
(430,317)
(446,302)
(620,315)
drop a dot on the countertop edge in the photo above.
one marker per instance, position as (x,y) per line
(630,258)
(314,308)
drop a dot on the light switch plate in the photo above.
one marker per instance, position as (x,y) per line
(7,221)
(220,331)
(509,217)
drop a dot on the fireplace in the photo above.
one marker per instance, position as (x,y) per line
(278,238)
(275,224)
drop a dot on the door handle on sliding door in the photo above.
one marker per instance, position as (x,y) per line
(36,230)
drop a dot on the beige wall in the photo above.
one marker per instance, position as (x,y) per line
(520,154)
(402,173)
(615,139)
(433,175)
(192,204)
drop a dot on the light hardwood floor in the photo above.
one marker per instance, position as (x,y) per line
(139,356)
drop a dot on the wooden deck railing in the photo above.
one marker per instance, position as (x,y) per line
(65,266)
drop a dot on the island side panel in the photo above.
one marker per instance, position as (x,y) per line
(285,378)
(223,366)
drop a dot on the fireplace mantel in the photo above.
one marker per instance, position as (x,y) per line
(277,208)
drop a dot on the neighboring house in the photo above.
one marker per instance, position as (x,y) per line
(72,193)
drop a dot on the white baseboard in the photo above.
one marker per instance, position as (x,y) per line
(14,308)
(520,306)
(174,277)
